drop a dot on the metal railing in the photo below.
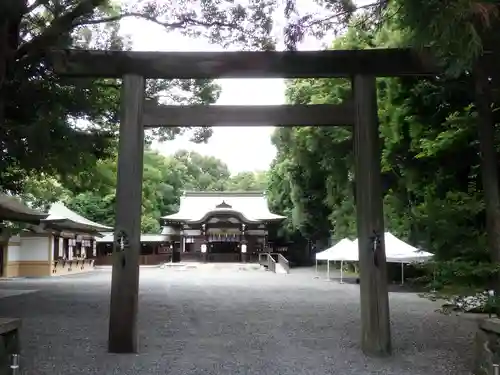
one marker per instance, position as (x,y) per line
(267,260)
(284,262)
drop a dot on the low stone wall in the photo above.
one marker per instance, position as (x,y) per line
(487,347)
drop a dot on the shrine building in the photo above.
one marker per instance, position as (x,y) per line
(59,242)
(221,227)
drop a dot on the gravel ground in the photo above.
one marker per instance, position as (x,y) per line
(228,321)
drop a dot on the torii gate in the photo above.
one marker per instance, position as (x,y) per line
(362,66)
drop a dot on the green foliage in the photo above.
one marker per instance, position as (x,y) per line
(457,30)
(91,193)
(430,163)
(71,124)
(469,274)
(92,206)
(248,181)
(204,173)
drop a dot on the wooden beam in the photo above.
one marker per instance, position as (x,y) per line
(186,65)
(375,324)
(244,115)
(127,246)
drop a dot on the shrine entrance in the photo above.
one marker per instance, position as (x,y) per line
(224,251)
(359,111)
(224,247)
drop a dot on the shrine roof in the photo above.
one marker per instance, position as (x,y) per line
(13,209)
(250,206)
(61,217)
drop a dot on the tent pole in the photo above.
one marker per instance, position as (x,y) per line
(434,278)
(402,273)
(316,266)
(341,271)
(328,269)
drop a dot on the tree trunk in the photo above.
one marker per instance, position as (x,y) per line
(489,164)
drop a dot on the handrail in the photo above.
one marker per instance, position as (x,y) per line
(284,262)
(267,261)
(271,265)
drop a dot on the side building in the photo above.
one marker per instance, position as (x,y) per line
(13,210)
(221,227)
(61,243)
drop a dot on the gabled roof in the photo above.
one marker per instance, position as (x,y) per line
(13,209)
(198,206)
(61,217)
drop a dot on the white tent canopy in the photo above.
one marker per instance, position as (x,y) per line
(397,251)
(343,250)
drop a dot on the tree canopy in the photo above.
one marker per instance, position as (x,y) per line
(433,194)
(165,178)
(71,124)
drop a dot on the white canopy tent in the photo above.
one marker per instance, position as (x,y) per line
(344,250)
(398,251)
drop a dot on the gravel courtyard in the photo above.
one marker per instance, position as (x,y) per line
(228,321)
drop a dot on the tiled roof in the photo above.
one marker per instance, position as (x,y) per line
(194,206)
(13,209)
(62,217)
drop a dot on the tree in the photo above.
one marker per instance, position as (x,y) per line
(466,37)
(305,200)
(203,173)
(248,181)
(326,17)
(316,163)
(430,199)
(48,136)
(92,193)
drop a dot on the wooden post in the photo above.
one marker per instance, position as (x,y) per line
(375,323)
(125,278)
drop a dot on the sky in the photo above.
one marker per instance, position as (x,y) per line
(241,148)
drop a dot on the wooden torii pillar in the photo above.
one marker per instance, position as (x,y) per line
(125,279)
(375,322)
(134,67)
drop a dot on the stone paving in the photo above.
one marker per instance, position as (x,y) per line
(228,321)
